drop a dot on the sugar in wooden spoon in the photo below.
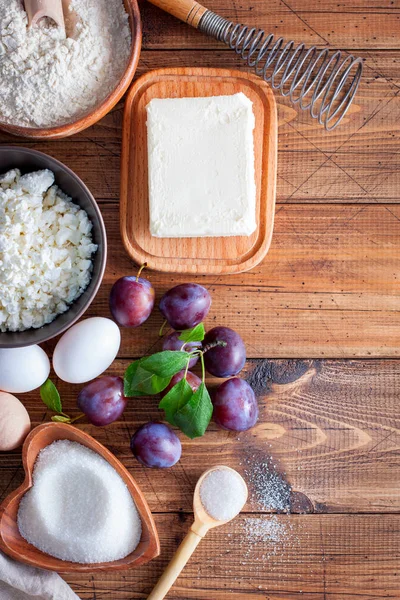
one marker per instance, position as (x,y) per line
(219,496)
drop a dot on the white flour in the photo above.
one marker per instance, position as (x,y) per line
(47,79)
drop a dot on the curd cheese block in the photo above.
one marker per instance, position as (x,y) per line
(201,166)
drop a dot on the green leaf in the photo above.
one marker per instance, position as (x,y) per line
(196,334)
(176,398)
(165,364)
(130,378)
(60,419)
(50,396)
(139,382)
(193,418)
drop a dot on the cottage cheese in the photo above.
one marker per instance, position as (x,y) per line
(201,166)
(45,250)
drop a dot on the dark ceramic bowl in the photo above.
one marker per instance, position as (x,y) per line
(31,160)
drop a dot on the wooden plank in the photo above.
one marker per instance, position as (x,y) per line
(389,7)
(358,162)
(312,557)
(327,288)
(332,429)
(304,176)
(320,23)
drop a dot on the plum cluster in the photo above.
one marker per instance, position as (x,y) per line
(224,354)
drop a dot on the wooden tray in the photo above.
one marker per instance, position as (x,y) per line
(219,255)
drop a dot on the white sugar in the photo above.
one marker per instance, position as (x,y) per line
(223,494)
(79,508)
(266,536)
(269,489)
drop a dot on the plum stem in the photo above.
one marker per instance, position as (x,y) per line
(187,367)
(77,418)
(144,265)
(216,344)
(161,332)
(203,368)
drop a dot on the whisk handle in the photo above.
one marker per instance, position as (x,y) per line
(188,11)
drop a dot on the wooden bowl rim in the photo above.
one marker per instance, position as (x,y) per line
(151,551)
(106,105)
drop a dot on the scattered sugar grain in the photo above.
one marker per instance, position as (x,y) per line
(79,508)
(266,535)
(269,489)
(223,494)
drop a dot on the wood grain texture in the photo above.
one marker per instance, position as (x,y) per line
(321,23)
(210,255)
(329,285)
(318,557)
(356,163)
(332,427)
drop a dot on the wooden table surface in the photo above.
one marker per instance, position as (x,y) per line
(321,320)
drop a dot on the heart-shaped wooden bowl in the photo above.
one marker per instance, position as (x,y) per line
(18,548)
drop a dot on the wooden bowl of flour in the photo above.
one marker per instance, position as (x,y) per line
(18,548)
(97,113)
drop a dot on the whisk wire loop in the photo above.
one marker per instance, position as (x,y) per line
(321,83)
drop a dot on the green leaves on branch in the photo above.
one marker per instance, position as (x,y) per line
(165,364)
(176,398)
(193,335)
(188,410)
(152,374)
(194,416)
(139,382)
(51,398)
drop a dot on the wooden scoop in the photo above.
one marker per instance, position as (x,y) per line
(202,523)
(39,9)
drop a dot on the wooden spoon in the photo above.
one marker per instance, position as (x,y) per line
(202,524)
(39,9)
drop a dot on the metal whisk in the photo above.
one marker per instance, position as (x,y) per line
(321,82)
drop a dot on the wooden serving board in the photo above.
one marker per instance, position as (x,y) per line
(211,255)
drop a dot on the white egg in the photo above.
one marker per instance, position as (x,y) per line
(23,369)
(86,350)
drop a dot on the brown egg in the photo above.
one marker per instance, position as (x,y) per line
(15,423)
